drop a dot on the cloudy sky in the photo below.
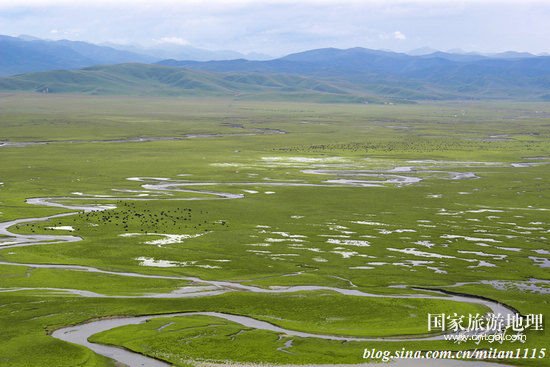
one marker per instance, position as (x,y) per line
(277,27)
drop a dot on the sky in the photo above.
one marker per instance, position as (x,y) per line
(279,27)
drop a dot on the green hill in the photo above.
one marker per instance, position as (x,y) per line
(144,80)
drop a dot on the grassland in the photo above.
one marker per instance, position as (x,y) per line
(294,225)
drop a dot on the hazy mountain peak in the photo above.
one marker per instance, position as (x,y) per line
(422,51)
(26,37)
(512,55)
(26,54)
(164,50)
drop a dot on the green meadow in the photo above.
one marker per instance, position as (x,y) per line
(374,198)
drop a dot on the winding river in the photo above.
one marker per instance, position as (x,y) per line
(143,139)
(79,334)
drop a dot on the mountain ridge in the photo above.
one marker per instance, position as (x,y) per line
(29,55)
(26,53)
(459,76)
(355,74)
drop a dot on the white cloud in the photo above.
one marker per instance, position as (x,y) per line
(279,27)
(399,36)
(173,40)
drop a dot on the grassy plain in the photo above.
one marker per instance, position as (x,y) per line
(436,232)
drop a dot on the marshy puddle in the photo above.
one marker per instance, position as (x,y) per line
(484,254)
(468,238)
(416,252)
(370,223)
(149,261)
(62,228)
(427,244)
(359,243)
(540,261)
(168,239)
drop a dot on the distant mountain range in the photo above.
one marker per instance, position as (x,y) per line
(167,50)
(438,75)
(351,75)
(422,51)
(25,54)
